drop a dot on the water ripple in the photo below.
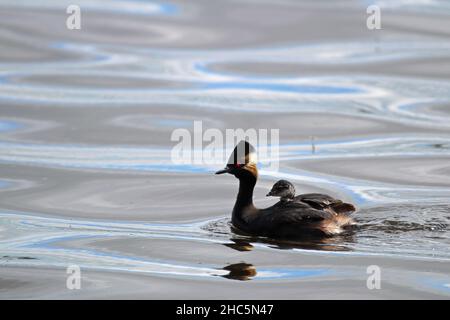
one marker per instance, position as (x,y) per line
(143,68)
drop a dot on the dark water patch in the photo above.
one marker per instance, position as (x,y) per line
(405,218)
(18,258)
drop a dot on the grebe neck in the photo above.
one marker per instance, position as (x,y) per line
(244,201)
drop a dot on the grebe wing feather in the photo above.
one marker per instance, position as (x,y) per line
(292,212)
(317,199)
(322,201)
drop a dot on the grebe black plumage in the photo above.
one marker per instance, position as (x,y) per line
(305,215)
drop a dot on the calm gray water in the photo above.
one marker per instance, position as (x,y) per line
(86,117)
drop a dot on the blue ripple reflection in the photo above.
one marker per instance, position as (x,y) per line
(281,87)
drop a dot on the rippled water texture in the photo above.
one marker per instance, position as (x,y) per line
(86,117)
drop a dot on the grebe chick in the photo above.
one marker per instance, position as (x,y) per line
(305,215)
(283,189)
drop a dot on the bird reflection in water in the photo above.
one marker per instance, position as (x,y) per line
(245,271)
(324,244)
(240,271)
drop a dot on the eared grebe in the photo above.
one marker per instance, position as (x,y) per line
(305,215)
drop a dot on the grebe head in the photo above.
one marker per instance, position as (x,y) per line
(283,189)
(242,161)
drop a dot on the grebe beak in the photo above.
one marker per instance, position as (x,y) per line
(225,170)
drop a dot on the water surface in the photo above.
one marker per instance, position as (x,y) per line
(86,117)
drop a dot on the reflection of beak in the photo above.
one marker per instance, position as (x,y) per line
(225,170)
